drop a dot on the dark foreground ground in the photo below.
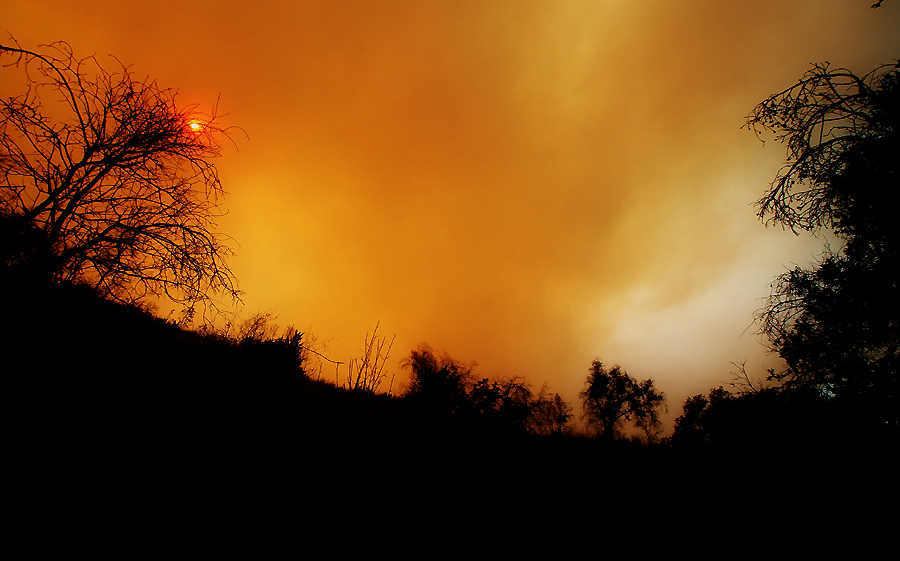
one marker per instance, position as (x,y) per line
(115,417)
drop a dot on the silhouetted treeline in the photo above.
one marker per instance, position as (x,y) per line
(110,399)
(96,383)
(772,420)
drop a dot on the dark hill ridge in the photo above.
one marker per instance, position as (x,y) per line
(109,403)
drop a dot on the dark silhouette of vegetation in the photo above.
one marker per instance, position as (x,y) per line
(437,385)
(115,175)
(612,397)
(723,419)
(503,404)
(771,423)
(444,392)
(691,428)
(551,416)
(367,372)
(25,252)
(837,325)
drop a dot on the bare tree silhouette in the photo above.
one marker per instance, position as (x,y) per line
(367,372)
(116,176)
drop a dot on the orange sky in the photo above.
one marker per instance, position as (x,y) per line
(528,185)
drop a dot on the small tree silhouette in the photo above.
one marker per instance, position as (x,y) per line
(550,415)
(440,385)
(612,397)
(648,403)
(701,419)
(367,372)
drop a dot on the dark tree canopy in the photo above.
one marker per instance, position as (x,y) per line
(444,393)
(836,326)
(116,176)
(612,397)
(441,384)
(503,403)
(698,424)
(550,415)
